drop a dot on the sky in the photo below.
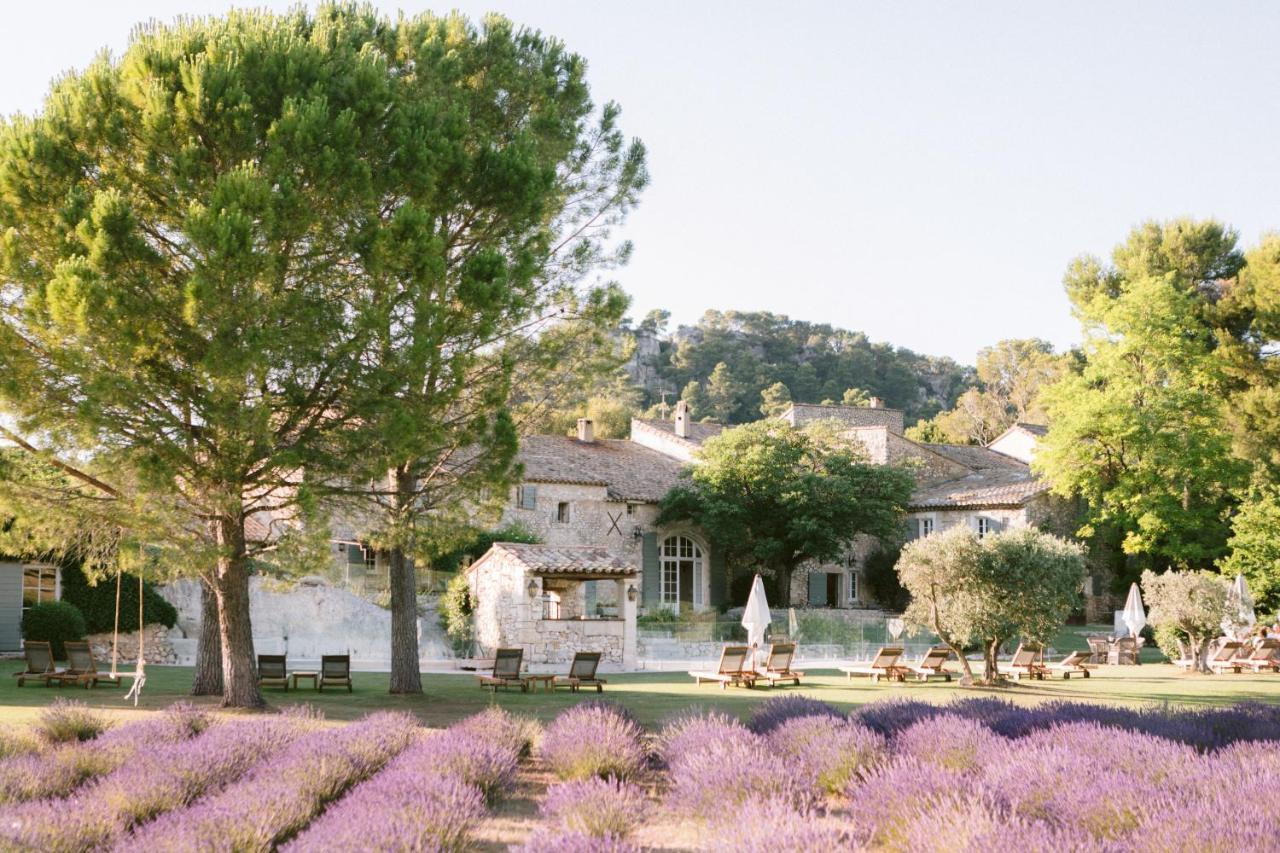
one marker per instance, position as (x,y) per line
(922,172)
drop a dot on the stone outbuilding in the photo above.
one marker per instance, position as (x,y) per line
(554,601)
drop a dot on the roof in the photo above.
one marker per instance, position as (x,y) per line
(1035,429)
(695,433)
(1010,488)
(560,560)
(628,470)
(975,457)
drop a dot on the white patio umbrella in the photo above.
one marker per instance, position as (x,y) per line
(1240,616)
(1134,616)
(756,617)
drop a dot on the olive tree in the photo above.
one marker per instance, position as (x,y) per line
(1192,604)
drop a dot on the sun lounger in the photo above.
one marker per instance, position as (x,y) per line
(506,670)
(1076,662)
(1099,649)
(40,665)
(82,668)
(735,668)
(335,671)
(885,664)
(1026,661)
(1224,657)
(1265,655)
(934,662)
(1124,652)
(582,671)
(273,671)
(777,665)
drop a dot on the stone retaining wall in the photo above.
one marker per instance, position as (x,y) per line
(157,647)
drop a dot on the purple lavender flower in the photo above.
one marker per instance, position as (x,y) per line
(695,729)
(594,739)
(68,720)
(771,713)
(595,806)
(281,796)
(769,826)
(520,734)
(829,751)
(949,741)
(489,764)
(893,715)
(405,807)
(724,774)
(876,801)
(555,841)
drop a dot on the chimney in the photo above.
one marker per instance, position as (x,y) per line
(682,419)
(586,430)
(876,403)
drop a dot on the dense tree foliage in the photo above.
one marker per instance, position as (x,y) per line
(1192,603)
(773,497)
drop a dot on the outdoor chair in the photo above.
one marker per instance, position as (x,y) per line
(1099,649)
(335,671)
(735,668)
(1265,655)
(1224,657)
(933,662)
(272,671)
(1026,661)
(884,664)
(506,670)
(1123,652)
(39,656)
(82,668)
(1076,662)
(582,671)
(777,665)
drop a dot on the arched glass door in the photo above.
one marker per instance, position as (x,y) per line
(681,562)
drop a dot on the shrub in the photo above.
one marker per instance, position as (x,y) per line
(694,729)
(594,739)
(595,806)
(772,827)
(555,841)
(828,751)
(17,742)
(407,806)
(520,734)
(455,607)
(65,721)
(723,775)
(771,713)
(489,764)
(97,603)
(876,802)
(950,741)
(55,622)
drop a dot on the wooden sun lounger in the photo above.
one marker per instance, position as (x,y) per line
(1026,661)
(735,668)
(273,671)
(82,668)
(934,662)
(1073,663)
(335,671)
(885,664)
(1265,655)
(1225,657)
(777,667)
(582,671)
(40,664)
(506,670)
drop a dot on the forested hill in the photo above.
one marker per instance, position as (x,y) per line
(730,363)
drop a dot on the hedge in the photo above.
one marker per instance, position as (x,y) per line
(98,603)
(55,622)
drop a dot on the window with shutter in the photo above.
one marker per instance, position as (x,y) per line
(527,497)
(818,589)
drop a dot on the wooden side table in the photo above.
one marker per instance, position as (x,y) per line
(314,676)
(548,681)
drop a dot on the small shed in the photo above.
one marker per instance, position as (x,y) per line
(554,601)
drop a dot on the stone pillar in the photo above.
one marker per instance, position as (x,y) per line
(627,610)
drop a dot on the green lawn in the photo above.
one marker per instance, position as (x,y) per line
(655,696)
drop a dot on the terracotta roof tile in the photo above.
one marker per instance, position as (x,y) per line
(629,471)
(557,560)
(697,433)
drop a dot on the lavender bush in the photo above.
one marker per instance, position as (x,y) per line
(406,807)
(489,764)
(17,742)
(594,739)
(774,827)
(66,720)
(720,777)
(949,741)
(694,729)
(771,713)
(828,751)
(595,806)
(555,841)
(281,796)
(520,734)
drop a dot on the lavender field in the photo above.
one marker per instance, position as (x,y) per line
(976,775)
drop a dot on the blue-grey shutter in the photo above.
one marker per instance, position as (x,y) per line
(650,580)
(589,598)
(528,497)
(10,607)
(818,589)
(910,529)
(719,580)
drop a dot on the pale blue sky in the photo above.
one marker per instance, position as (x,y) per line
(919,171)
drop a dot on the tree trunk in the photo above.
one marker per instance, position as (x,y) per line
(208,677)
(991,666)
(405,677)
(945,637)
(239,672)
(783,576)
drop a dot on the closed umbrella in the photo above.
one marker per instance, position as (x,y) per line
(1134,616)
(756,617)
(1240,616)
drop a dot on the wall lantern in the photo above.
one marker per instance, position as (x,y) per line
(632,595)
(637,532)
(532,588)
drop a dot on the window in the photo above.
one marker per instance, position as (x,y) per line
(39,584)
(925,526)
(853,585)
(562,512)
(681,572)
(527,497)
(985,526)
(631,509)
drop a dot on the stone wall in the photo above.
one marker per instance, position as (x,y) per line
(157,647)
